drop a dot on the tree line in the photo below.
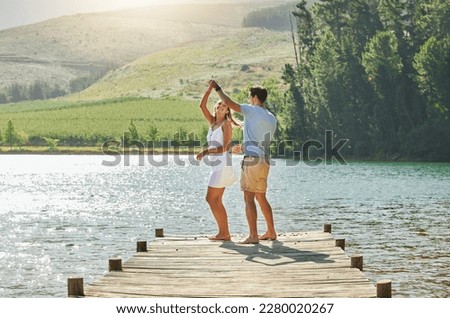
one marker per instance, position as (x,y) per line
(36,91)
(40,90)
(276,18)
(376,72)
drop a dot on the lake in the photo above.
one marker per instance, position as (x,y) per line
(67,215)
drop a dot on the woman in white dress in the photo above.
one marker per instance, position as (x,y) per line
(219,158)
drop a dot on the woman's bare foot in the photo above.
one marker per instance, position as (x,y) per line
(268,236)
(220,237)
(250,240)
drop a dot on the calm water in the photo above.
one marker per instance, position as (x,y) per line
(65,216)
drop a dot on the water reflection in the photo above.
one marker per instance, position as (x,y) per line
(66,215)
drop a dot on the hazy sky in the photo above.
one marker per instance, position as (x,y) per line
(18,12)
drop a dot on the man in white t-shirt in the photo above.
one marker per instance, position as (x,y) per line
(259,128)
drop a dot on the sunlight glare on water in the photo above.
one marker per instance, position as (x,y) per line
(66,215)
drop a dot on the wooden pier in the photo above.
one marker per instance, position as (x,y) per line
(305,264)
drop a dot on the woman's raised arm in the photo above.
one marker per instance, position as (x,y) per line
(204,109)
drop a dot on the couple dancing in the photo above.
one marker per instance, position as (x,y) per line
(259,127)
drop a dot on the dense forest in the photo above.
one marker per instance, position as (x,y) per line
(376,72)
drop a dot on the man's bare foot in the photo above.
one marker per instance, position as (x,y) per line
(220,238)
(268,237)
(250,240)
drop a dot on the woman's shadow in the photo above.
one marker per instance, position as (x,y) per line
(275,253)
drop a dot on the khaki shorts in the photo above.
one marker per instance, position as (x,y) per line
(254,175)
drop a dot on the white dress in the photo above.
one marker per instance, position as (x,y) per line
(222,174)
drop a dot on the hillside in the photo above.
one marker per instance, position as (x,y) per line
(247,56)
(61,49)
(173,57)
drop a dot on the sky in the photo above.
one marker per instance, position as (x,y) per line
(19,12)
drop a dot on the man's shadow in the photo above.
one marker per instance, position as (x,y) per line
(275,253)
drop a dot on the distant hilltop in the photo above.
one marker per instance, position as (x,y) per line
(22,12)
(64,49)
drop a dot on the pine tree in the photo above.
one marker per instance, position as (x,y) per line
(363,23)
(153,133)
(37,91)
(431,19)
(3,98)
(334,14)
(383,65)
(134,135)
(305,29)
(432,64)
(11,137)
(16,93)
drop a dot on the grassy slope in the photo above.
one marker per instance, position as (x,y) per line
(61,49)
(155,75)
(184,71)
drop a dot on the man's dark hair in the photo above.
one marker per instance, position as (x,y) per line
(259,92)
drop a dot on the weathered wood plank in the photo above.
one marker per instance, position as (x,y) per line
(296,265)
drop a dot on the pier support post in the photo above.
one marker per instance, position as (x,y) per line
(340,243)
(141,246)
(384,289)
(75,287)
(159,232)
(327,228)
(115,264)
(357,262)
